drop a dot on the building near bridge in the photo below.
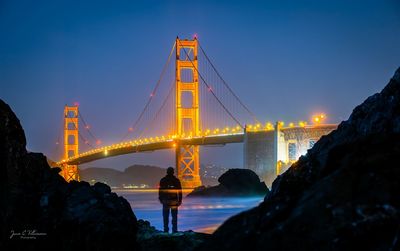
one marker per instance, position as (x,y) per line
(270,152)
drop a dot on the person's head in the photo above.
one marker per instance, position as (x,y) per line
(170,170)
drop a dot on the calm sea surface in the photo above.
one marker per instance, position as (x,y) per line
(197,214)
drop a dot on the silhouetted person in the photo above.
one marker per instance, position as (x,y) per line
(170,196)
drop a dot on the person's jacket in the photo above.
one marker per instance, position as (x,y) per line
(170,191)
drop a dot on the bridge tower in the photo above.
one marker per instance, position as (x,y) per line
(71,145)
(187,113)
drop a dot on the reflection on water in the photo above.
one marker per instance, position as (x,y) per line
(197,214)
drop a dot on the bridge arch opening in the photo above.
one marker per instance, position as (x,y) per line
(187,99)
(71,153)
(72,140)
(187,75)
(186,54)
(187,126)
(71,114)
(71,126)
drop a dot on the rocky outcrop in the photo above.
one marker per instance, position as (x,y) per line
(150,239)
(344,194)
(39,210)
(234,182)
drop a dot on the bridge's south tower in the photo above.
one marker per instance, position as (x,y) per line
(187,111)
(71,145)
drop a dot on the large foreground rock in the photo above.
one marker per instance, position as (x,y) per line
(39,210)
(234,182)
(343,195)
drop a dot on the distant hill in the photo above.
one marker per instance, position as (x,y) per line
(143,174)
(133,175)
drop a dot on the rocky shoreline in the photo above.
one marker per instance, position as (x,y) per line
(152,239)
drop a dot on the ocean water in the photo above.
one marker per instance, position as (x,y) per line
(197,214)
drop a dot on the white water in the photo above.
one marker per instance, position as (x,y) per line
(197,214)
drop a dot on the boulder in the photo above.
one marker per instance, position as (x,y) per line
(234,182)
(40,210)
(344,194)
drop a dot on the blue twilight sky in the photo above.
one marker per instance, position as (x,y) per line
(286,60)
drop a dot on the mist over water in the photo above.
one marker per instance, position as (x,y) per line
(197,214)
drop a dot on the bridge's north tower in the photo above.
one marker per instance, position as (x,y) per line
(187,111)
(71,145)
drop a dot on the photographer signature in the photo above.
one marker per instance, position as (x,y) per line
(27,234)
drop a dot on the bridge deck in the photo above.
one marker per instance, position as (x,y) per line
(125,148)
(135,147)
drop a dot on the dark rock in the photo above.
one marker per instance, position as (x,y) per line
(146,231)
(50,213)
(151,239)
(344,194)
(234,182)
(102,188)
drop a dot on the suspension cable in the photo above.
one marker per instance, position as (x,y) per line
(60,135)
(85,141)
(87,127)
(227,86)
(210,89)
(159,110)
(152,94)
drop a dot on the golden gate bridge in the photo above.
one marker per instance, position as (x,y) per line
(190,105)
